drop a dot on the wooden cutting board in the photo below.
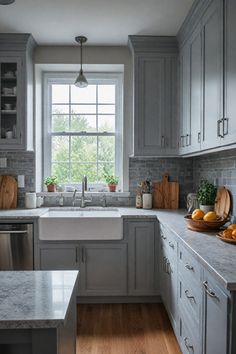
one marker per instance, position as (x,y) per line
(165,194)
(8,192)
(223,202)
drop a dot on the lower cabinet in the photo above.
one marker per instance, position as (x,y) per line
(141,258)
(58,256)
(103,269)
(215,318)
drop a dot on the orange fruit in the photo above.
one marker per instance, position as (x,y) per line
(232,227)
(210,216)
(227,233)
(234,234)
(198,214)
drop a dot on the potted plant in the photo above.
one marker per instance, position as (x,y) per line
(51,183)
(206,195)
(111,181)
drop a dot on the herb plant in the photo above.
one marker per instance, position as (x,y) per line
(206,193)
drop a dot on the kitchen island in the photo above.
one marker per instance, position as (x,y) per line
(38,312)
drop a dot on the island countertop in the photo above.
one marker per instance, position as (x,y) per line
(35,299)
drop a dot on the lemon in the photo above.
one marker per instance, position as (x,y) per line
(210,216)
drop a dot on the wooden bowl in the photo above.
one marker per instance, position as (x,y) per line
(202,225)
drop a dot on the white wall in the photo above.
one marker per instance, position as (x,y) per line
(69,56)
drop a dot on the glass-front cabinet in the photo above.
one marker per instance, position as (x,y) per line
(11,100)
(16,91)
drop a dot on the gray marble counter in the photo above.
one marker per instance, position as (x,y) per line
(35,299)
(21,214)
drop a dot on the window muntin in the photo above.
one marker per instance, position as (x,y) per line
(83,128)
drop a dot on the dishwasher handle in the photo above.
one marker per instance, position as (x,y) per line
(8,232)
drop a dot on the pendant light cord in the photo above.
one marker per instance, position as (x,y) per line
(81,55)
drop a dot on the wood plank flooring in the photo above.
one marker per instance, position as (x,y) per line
(125,329)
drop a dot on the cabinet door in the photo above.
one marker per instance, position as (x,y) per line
(58,257)
(155,105)
(103,269)
(11,101)
(141,258)
(212,26)
(230,73)
(215,318)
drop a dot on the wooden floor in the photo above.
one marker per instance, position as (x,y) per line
(125,329)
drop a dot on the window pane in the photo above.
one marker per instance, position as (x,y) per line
(85,109)
(104,169)
(83,123)
(106,93)
(60,109)
(85,95)
(60,149)
(106,148)
(106,123)
(106,109)
(60,123)
(61,170)
(79,170)
(60,93)
(84,149)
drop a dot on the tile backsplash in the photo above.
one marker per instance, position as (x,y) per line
(179,169)
(219,168)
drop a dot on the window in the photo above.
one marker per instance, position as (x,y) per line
(82,128)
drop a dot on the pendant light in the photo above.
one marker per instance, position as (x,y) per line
(6,2)
(81,79)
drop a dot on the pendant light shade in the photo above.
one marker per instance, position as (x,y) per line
(6,2)
(81,79)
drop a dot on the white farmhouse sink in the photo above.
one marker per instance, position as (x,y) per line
(81,224)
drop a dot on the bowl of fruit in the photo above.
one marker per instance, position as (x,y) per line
(200,221)
(228,235)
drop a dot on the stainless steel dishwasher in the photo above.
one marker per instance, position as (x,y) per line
(16,247)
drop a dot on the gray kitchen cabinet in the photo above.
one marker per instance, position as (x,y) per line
(212,29)
(229,122)
(191,93)
(141,258)
(155,95)
(215,318)
(103,268)
(58,256)
(16,87)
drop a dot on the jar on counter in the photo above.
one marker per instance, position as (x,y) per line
(30,200)
(147,201)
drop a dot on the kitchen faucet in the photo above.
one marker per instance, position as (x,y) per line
(74,197)
(84,188)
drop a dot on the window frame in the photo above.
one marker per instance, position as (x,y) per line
(50,78)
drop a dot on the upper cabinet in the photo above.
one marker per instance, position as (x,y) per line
(155,95)
(16,87)
(207,66)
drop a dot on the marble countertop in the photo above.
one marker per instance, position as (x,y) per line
(217,256)
(35,299)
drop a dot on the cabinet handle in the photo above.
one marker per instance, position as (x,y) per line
(182,141)
(189,296)
(168,267)
(189,267)
(209,291)
(162,141)
(227,126)
(188,140)
(219,128)
(163,237)
(187,345)
(199,137)
(76,255)
(83,255)
(171,245)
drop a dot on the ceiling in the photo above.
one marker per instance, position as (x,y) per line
(104,22)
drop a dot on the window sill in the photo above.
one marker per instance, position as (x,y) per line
(89,194)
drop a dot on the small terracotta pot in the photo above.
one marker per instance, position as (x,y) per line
(51,188)
(112,187)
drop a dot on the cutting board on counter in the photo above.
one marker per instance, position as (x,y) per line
(165,194)
(8,192)
(223,202)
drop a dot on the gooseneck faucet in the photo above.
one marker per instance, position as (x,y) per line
(84,188)
(74,197)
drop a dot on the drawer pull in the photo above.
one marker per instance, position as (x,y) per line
(188,346)
(189,296)
(209,291)
(189,267)
(171,245)
(163,237)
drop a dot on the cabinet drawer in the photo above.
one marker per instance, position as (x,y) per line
(169,241)
(190,298)
(189,337)
(189,268)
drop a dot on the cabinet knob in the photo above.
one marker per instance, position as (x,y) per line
(171,245)
(187,345)
(189,267)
